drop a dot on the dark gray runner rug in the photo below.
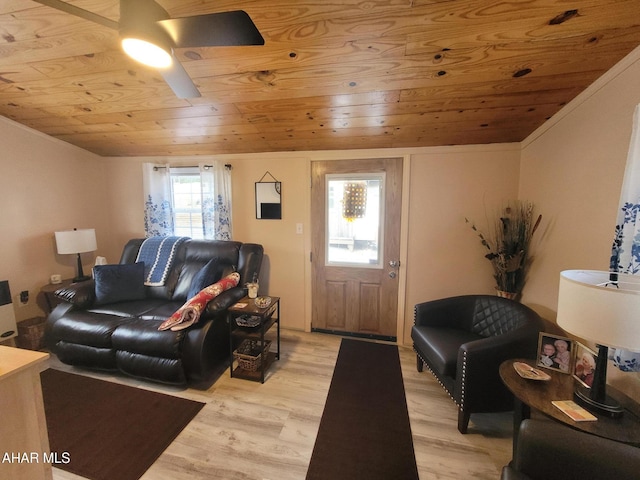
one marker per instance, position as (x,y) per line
(365,432)
(106,431)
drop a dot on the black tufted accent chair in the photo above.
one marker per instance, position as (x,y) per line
(463,340)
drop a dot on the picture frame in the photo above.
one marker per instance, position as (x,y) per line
(555,353)
(584,364)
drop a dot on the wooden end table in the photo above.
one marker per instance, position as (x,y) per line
(539,395)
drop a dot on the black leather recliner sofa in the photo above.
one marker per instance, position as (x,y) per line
(124,336)
(463,340)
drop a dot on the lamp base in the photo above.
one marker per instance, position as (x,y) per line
(80,279)
(606,406)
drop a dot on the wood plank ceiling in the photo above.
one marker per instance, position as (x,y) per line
(333,74)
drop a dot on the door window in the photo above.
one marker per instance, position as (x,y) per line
(354,220)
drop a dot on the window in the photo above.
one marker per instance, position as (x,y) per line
(187,202)
(355,213)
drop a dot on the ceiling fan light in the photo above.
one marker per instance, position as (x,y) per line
(147,53)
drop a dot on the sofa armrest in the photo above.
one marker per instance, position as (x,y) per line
(548,450)
(223,301)
(82,294)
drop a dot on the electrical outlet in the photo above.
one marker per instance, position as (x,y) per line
(299,228)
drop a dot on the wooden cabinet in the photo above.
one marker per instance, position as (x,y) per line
(266,318)
(24,441)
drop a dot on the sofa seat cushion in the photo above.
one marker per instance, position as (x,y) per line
(135,308)
(162,311)
(440,347)
(85,328)
(142,337)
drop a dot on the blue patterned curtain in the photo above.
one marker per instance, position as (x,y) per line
(215,179)
(625,252)
(158,205)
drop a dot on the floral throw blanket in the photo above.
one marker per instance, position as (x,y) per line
(190,312)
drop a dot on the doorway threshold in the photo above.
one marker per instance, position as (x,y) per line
(342,333)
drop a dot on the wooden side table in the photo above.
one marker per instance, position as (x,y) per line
(539,395)
(269,316)
(23,426)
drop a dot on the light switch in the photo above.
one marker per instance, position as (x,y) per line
(299,228)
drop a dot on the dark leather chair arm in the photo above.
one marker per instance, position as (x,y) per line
(549,450)
(517,343)
(453,312)
(82,294)
(480,361)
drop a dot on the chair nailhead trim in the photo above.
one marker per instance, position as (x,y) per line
(436,377)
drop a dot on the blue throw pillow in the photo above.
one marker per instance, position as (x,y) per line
(208,275)
(119,283)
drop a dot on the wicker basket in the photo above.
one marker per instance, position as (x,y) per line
(249,356)
(31,333)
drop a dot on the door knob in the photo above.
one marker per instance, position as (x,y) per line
(394,263)
(392,274)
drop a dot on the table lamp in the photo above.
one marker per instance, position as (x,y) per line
(602,307)
(76,242)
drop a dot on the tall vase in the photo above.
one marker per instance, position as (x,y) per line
(509,295)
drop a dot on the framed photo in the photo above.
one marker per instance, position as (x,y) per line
(584,364)
(555,353)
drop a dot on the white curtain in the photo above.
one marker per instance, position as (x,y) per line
(215,179)
(625,252)
(158,204)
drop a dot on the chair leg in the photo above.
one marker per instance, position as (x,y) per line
(419,364)
(463,420)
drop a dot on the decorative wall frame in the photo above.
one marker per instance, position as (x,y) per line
(268,198)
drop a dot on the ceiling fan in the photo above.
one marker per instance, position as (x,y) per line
(149,35)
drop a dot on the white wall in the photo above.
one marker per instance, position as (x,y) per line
(573,170)
(46,185)
(443,255)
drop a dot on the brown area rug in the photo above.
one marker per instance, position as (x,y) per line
(103,431)
(365,432)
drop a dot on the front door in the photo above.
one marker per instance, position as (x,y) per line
(355,210)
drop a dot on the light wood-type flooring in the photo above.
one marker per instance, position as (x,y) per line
(253,431)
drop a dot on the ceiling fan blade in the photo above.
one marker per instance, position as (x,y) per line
(179,80)
(79,12)
(223,29)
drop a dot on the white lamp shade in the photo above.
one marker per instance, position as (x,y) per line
(76,241)
(593,307)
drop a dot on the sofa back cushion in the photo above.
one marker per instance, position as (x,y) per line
(192,256)
(207,275)
(198,253)
(164,292)
(496,316)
